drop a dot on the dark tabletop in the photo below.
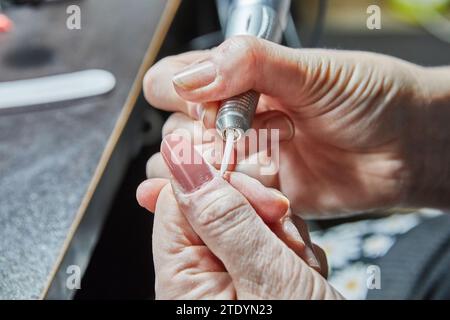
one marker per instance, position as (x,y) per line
(52,158)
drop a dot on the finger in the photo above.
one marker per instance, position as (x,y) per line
(243,63)
(158,87)
(270,205)
(156,167)
(183,264)
(148,191)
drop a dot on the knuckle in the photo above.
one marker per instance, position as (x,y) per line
(214,210)
(222,213)
(246,48)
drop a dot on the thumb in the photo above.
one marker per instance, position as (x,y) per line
(240,64)
(253,255)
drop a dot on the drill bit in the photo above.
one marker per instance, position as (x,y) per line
(229,140)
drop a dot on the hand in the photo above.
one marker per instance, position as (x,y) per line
(351,123)
(217,239)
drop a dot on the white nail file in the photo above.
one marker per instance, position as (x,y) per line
(62,87)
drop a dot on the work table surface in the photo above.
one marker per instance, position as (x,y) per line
(49,156)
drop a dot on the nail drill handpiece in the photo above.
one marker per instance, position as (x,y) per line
(264,19)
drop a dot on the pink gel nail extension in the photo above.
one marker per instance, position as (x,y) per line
(186,165)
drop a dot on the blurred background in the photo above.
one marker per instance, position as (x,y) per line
(118,260)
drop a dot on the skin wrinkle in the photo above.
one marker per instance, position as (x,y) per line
(213,214)
(221,292)
(238,211)
(304,280)
(306,80)
(262,282)
(189,288)
(329,81)
(358,89)
(363,115)
(237,224)
(342,95)
(186,255)
(323,103)
(264,252)
(183,266)
(300,284)
(290,269)
(324,74)
(354,115)
(364,91)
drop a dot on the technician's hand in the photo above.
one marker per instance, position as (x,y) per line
(354,126)
(227,239)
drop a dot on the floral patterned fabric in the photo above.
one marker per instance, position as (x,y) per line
(352,247)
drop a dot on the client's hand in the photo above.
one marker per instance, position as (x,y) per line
(356,129)
(229,239)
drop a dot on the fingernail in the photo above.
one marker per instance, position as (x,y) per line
(282,197)
(195,76)
(187,166)
(141,192)
(196,111)
(311,257)
(284,124)
(291,230)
